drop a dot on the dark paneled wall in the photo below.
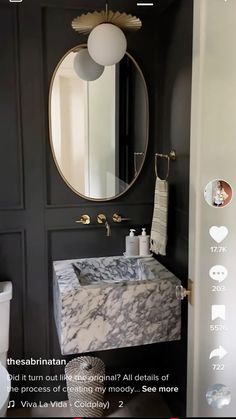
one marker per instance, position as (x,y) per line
(11,197)
(176,34)
(37,210)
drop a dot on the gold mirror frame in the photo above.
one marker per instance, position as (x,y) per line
(76,49)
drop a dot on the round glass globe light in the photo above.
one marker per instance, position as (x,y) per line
(107,44)
(85,67)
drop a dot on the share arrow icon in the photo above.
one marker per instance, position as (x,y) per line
(219,352)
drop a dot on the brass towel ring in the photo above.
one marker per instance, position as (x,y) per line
(168,157)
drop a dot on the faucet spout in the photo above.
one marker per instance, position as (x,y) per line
(102,219)
(108,228)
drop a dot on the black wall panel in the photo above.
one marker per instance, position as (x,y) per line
(11,172)
(13,268)
(175,126)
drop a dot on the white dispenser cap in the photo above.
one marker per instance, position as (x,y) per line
(132,231)
(144,232)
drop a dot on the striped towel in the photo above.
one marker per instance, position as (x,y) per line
(160,215)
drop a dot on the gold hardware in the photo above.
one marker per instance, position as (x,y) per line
(85,23)
(118,219)
(108,229)
(170,157)
(54,155)
(85,219)
(191,290)
(182,293)
(101,218)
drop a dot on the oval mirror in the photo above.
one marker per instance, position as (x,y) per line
(98,129)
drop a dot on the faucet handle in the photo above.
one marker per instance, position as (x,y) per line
(117,218)
(101,218)
(85,219)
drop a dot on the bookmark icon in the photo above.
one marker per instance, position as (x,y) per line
(218,312)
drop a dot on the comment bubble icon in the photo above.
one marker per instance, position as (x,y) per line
(218,273)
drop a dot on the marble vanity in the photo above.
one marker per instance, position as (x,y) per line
(114,302)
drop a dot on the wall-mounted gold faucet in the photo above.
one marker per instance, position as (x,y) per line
(85,219)
(102,219)
(117,218)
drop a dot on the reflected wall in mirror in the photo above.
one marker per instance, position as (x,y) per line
(99,129)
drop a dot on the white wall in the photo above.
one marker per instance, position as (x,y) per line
(84,129)
(213,156)
(102,135)
(72,161)
(68,127)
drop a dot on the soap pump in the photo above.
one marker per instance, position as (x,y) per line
(144,243)
(132,244)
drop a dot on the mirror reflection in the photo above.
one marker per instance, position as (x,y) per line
(99,129)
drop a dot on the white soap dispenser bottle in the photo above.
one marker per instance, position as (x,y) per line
(144,243)
(131,244)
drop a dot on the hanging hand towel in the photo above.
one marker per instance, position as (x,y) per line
(160,216)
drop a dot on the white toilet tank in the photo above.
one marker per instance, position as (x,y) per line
(5,387)
(5,297)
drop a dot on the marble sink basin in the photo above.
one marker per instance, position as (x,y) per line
(111,270)
(114,302)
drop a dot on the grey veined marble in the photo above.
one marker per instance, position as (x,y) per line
(114,302)
(111,270)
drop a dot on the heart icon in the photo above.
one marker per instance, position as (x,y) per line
(218,233)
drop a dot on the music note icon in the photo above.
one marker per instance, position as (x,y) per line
(11,404)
